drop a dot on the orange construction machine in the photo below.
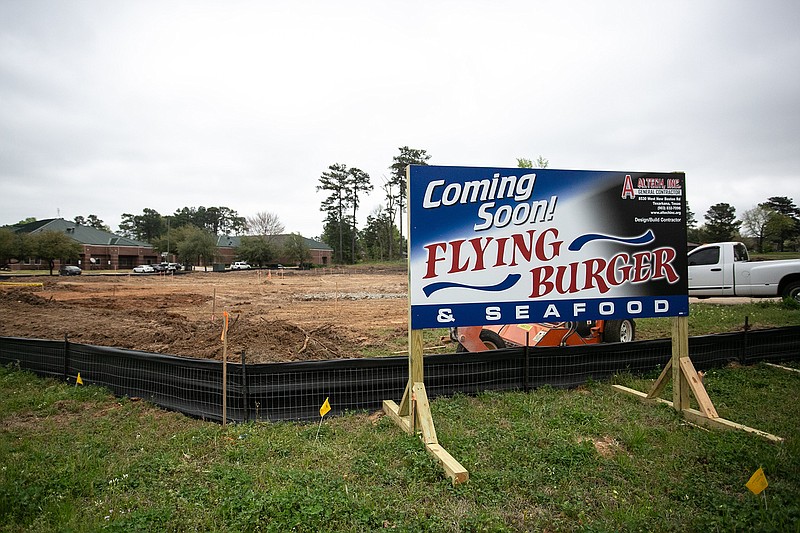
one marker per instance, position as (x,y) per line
(482,338)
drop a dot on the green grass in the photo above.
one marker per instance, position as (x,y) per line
(77,459)
(393,341)
(706,319)
(770,256)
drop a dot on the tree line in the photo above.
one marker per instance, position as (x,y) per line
(772,225)
(190,234)
(381,239)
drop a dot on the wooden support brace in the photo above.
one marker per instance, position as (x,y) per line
(661,382)
(640,395)
(452,468)
(781,367)
(696,417)
(685,379)
(405,402)
(423,414)
(414,413)
(392,410)
(700,394)
(701,419)
(420,419)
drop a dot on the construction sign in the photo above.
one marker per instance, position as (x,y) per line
(516,245)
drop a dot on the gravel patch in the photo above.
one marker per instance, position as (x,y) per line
(352,296)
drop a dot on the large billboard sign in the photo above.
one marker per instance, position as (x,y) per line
(515,245)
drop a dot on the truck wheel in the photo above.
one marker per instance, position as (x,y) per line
(490,339)
(619,330)
(792,291)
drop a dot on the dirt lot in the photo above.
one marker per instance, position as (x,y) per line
(279,316)
(282,316)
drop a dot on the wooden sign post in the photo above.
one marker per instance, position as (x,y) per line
(413,414)
(685,380)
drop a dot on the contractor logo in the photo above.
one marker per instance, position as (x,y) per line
(651,186)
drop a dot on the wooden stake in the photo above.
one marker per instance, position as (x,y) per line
(225,370)
(781,367)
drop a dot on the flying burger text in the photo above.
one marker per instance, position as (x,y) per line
(539,248)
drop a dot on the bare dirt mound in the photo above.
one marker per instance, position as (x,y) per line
(24,296)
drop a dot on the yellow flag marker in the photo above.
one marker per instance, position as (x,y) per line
(325,408)
(758,482)
(79,381)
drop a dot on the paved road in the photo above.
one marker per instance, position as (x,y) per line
(731,300)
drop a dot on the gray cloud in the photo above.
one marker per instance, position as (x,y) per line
(111,107)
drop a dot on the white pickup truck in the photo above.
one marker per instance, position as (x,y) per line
(724,269)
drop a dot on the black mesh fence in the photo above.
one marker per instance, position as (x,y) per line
(295,391)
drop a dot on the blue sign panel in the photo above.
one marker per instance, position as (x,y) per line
(514,245)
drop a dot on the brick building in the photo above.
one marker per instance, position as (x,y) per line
(321,253)
(102,250)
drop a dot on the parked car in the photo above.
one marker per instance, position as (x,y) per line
(158,267)
(240,265)
(69,270)
(143,269)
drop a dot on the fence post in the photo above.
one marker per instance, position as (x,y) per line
(526,383)
(245,389)
(743,356)
(66,358)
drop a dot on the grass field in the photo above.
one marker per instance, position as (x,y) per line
(771,256)
(706,319)
(78,459)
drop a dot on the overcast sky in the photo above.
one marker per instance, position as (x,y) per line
(110,107)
